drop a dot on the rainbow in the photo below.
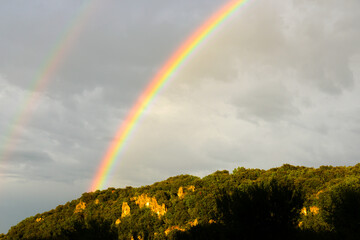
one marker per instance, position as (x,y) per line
(41,80)
(168,69)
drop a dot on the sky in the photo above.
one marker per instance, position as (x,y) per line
(277,82)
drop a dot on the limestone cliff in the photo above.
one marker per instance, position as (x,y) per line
(80,207)
(313,209)
(145,201)
(181,192)
(172,228)
(125,210)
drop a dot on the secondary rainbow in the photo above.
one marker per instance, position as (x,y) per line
(44,75)
(168,69)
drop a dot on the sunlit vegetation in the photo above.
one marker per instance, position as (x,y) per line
(288,202)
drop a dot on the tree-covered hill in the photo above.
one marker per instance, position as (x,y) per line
(288,202)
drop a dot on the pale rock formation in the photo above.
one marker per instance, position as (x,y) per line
(314,210)
(172,228)
(80,207)
(125,210)
(303,211)
(181,192)
(146,201)
(194,223)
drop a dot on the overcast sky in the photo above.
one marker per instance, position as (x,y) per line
(277,83)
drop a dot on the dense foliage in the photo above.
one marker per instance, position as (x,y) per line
(280,203)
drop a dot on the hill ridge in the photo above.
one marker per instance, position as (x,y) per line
(185,206)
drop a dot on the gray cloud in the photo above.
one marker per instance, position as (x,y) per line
(267,101)
(28,157)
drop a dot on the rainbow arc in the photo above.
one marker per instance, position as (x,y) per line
(155,85)
(44,76)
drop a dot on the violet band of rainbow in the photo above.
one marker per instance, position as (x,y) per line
(168,69)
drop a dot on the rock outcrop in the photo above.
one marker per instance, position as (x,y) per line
(125,210)
(172,228)
(145,201)
(181,192)
(194,223)
(313,209)
(80,207)
(304,211)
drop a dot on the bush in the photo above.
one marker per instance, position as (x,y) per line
(341,208)
(266,209)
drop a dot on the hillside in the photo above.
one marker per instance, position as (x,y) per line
(289,201)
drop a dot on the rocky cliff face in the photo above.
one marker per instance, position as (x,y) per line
(146,201)
(80,207)
(312,209)
(182,191)
(125,210)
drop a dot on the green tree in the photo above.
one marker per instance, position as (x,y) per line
(266,209)
(341,208)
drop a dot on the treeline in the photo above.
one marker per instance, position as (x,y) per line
(288,202)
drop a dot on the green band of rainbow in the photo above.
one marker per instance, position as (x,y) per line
(155,85)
